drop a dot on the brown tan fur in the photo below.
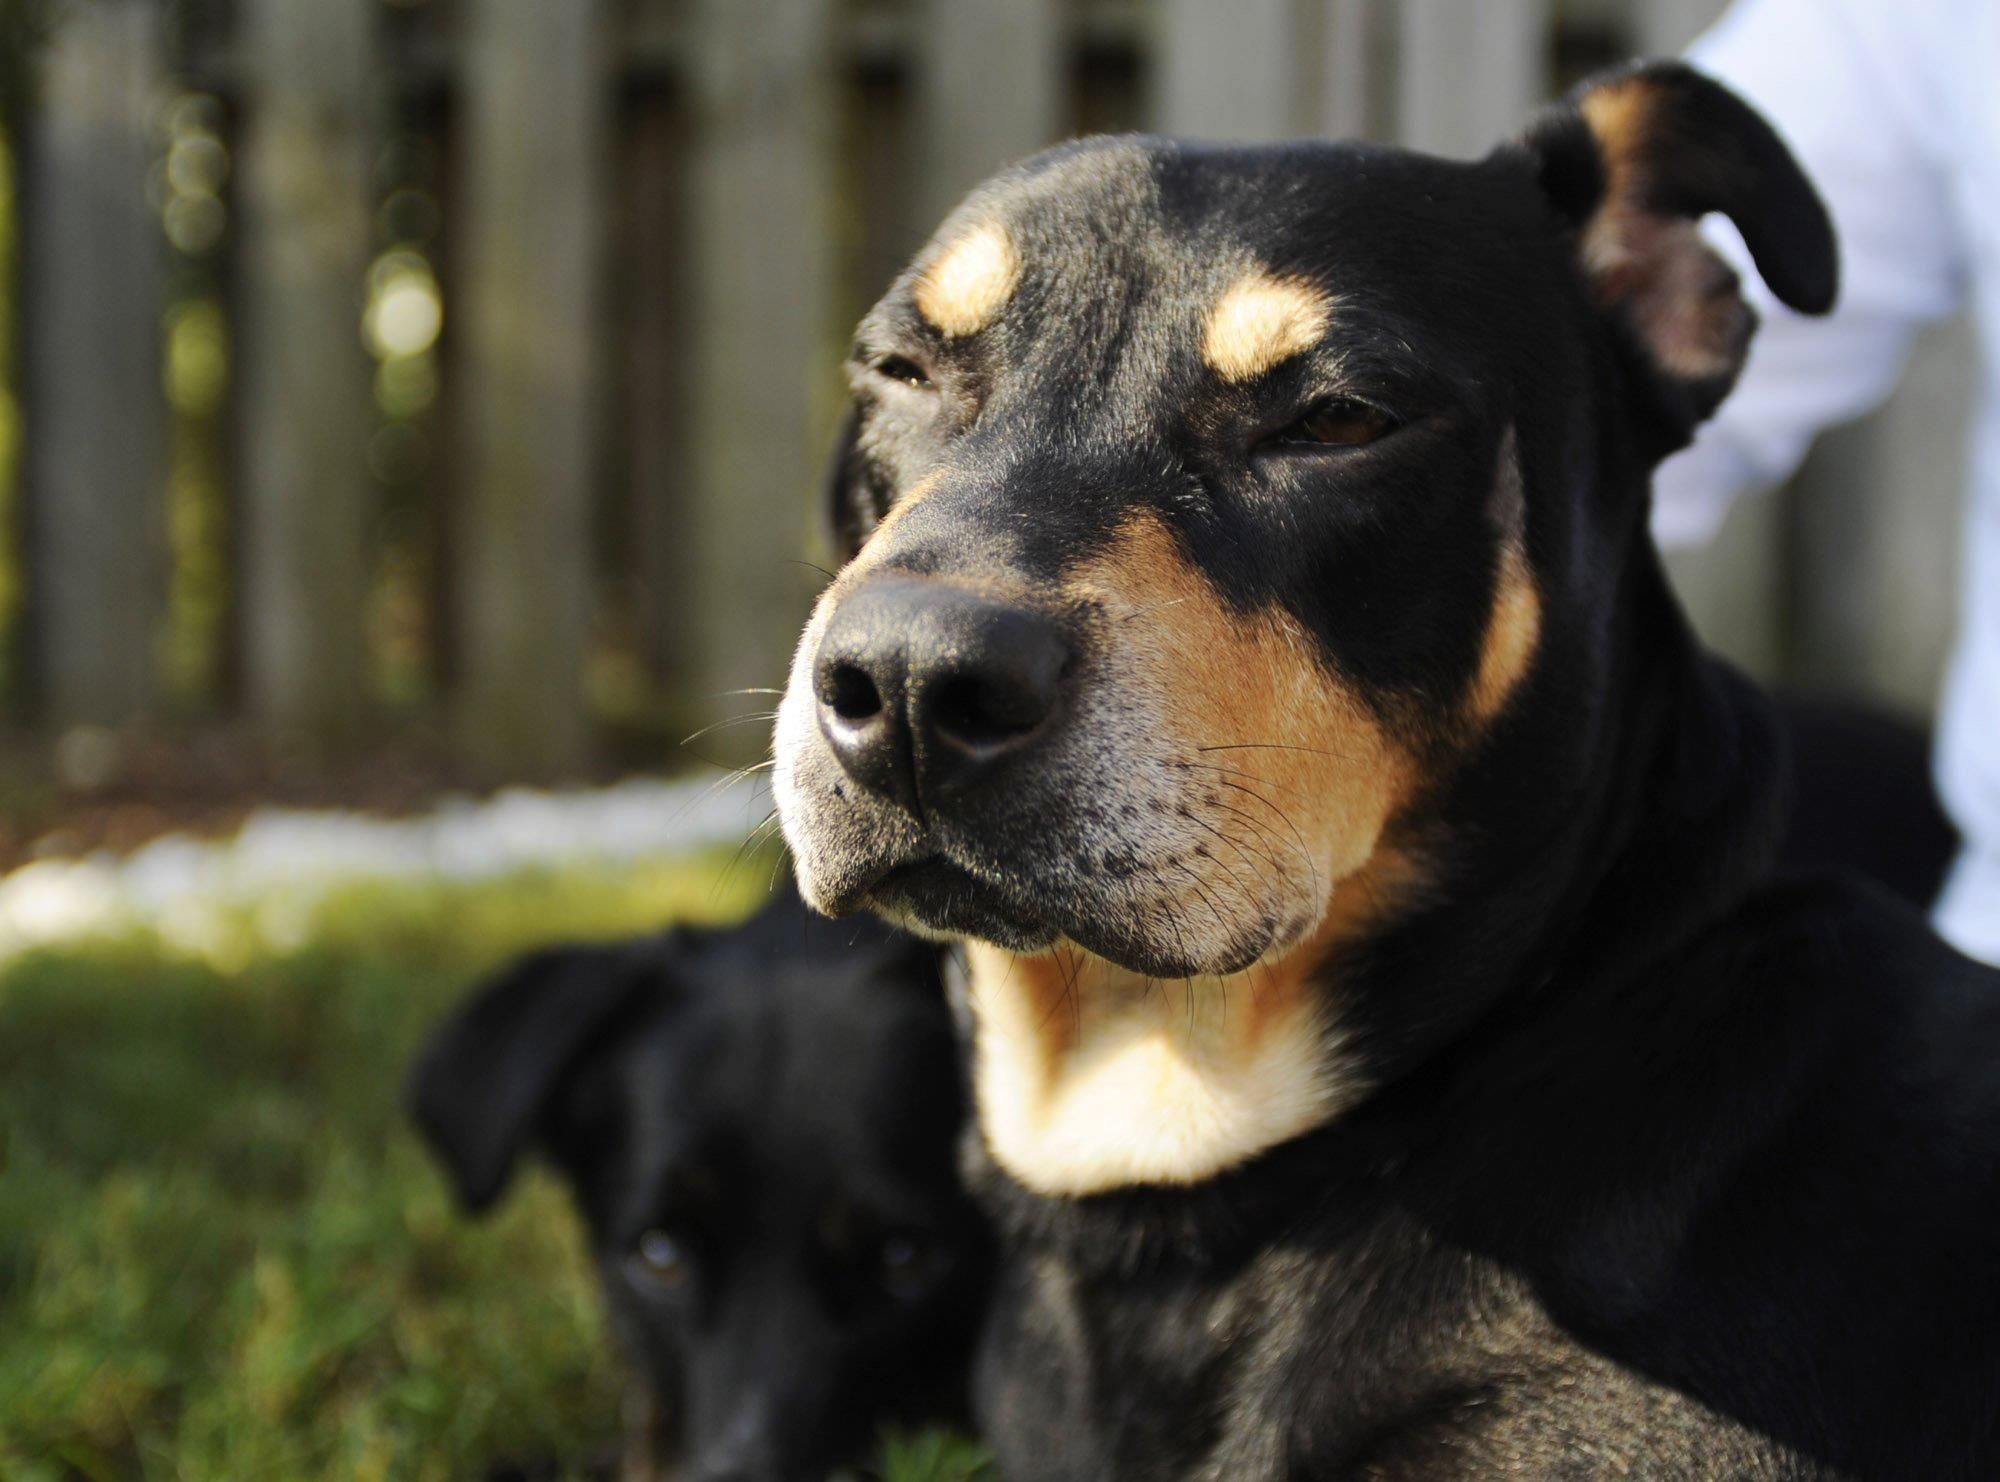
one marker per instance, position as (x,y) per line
(1091,1076)
(1514,625)
(963,289)
(1248,693)
(1260,321)
(1512,632)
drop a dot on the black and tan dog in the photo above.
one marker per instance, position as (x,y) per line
(758,1125)
(1394,1056)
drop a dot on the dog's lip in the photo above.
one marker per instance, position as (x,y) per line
(945,896)
(857,892)
(935,894)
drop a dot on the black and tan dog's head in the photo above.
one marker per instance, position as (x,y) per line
(1215,514)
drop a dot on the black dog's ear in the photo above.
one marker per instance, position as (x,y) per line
(852,503)
(1634,159)
(483,1079)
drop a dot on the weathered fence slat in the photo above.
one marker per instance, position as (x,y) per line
(734,257)
(762,403)
(651,319)
(1469,73)
(1257,70)
(1342,100)
(95,446)
(989,88)
(305,497)
(1227,72)
(537,138)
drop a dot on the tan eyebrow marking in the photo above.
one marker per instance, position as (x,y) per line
(962,291)
(1260,321)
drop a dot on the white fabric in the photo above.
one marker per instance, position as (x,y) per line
(1893,107)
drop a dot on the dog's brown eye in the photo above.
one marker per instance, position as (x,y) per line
(907,1265)
(1337,423)
(661,1257)
(902,368)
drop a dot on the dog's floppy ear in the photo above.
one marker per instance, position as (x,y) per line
(1634,159)
(484,1078)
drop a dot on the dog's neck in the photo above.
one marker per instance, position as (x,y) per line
(1691,809)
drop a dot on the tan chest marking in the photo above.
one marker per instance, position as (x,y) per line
(1090,1078)
(1260,321)
(966,286)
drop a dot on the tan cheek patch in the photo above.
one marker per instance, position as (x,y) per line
(970,282)
(1248,693)
(1514,621)
(1513,631)
(1261,321)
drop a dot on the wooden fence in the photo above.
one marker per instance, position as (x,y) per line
(475,358)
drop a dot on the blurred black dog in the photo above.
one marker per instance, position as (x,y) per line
(758,1125)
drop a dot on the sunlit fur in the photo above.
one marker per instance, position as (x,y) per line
(965,287)
(1261,321)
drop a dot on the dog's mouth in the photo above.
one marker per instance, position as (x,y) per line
(934,896)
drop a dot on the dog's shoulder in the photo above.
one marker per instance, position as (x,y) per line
(1854,970)
(1840,1193)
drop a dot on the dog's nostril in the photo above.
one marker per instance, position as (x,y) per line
(850,694)
(978,714)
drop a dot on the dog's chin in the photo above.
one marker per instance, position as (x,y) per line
(1169,954)
(939,900)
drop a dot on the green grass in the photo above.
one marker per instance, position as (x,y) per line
(222,1254)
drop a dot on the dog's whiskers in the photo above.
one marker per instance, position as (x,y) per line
(1278,746)
(733,720)
(756,837)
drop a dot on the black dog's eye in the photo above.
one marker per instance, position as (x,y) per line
(908,1265)
(661,1257)
(902,368)
(1338,422)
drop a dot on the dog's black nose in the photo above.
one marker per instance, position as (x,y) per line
(923,688)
